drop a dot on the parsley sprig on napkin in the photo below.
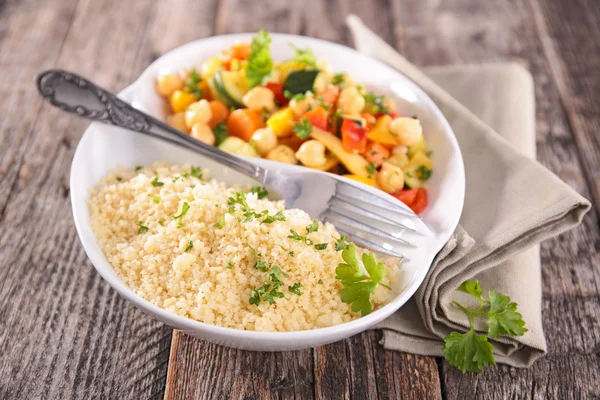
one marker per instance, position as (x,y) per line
(470,352)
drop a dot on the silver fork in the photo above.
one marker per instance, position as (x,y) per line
(371,218)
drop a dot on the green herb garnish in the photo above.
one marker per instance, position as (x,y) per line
(180,224)
(313,227)
(470,352)
(275,217)
(119,179)
(161,222)
(196,172)
(296,236)
(229,264)
(360,279)
(371,169)
(341,243)
(260,62)
(156,183)
(423,172)
(320,281)
(296,288)
(156,199)
(138,167)
(291,254)
(305,56)
(374,104)
(184,209)
(260,191)
(338,79)
(221,132)
(321,246)
(191,85)
(221,222)
(143,229)
(189,246)
(303,129)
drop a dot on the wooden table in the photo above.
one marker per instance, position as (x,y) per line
(64,333)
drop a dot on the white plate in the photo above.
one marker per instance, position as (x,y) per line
(104,147)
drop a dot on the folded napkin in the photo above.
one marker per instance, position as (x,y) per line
(512,203)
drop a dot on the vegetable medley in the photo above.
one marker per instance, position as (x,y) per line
(298,111)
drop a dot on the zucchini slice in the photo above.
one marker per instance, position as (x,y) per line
(300,81)
(230,87)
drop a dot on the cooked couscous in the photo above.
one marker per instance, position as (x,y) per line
(223,255)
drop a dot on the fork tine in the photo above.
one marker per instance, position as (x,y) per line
(352,194)
(336,218)
(336,202)
(367,244)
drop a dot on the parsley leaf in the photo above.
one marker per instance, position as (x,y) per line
(296,288)
(371,169)
(321,246)
(161,222)
(229,264)
(221,222)
(320,281)
(341,243)
(423,172)
(221,132)
(119,179)
(191,85)
(275,217)
(303,129)
(305,56)
(296,236)
(260,62)
(470,352)
(258,293)
(291,254)
(189,246)
(143,229)
(260,264)
(156,183)
(338,79)
(138,167)
(184,209)
(156,199)
(360,279)
(260,191)
(196,172)
(374,104)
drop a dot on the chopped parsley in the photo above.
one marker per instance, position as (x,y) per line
(423,172)
(221,222)
(291,254)
(323,104)
(287,94)
(119,179)
(312,227)
(138,167)
(156,199)
(296,236)
(161,222)
(229,264)
(260,191)
(374,104)
(184,209)
(320,281)
(305,56)
(270,290)
(341,243)
(303,129)
(275,217)
(296,288)
(176,178)
(156,183)
(191,85)
(143,229)
(221,133)
(189,246)
(371,169)
(321,246)
(260,264)
(180,224)
(196,172)
(338,79)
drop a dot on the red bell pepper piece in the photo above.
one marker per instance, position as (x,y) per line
(277,89)
(317,117)
(354,136)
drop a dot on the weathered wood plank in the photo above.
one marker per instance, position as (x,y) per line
(202,370)
(64,333)
(463,31)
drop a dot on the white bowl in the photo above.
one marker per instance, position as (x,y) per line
(105,147)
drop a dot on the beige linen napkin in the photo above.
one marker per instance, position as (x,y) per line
(512,203)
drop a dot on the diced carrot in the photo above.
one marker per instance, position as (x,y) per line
(330,94)
(220,112)
(317,117)
(420,202)
(205,89)
(243,123)
(241,51)
(376,153)
(407,196)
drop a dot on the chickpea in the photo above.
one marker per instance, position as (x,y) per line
(350,101)
(168,83)
(408,131)
(399,159)
(199,111)
(177,121)
(203,133)
(282,153)
(312,153)
(302,106)
(264,140)
(390,178)
(210,67)
(390,104)
(259,98)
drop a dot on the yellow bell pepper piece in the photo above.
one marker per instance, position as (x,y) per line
(180,100)
(420,146)
(361,179)
(381,132)
(330,163)
(420,159)
(353,162)
(282,122)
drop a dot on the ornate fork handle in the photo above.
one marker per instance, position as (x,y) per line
(74,94)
